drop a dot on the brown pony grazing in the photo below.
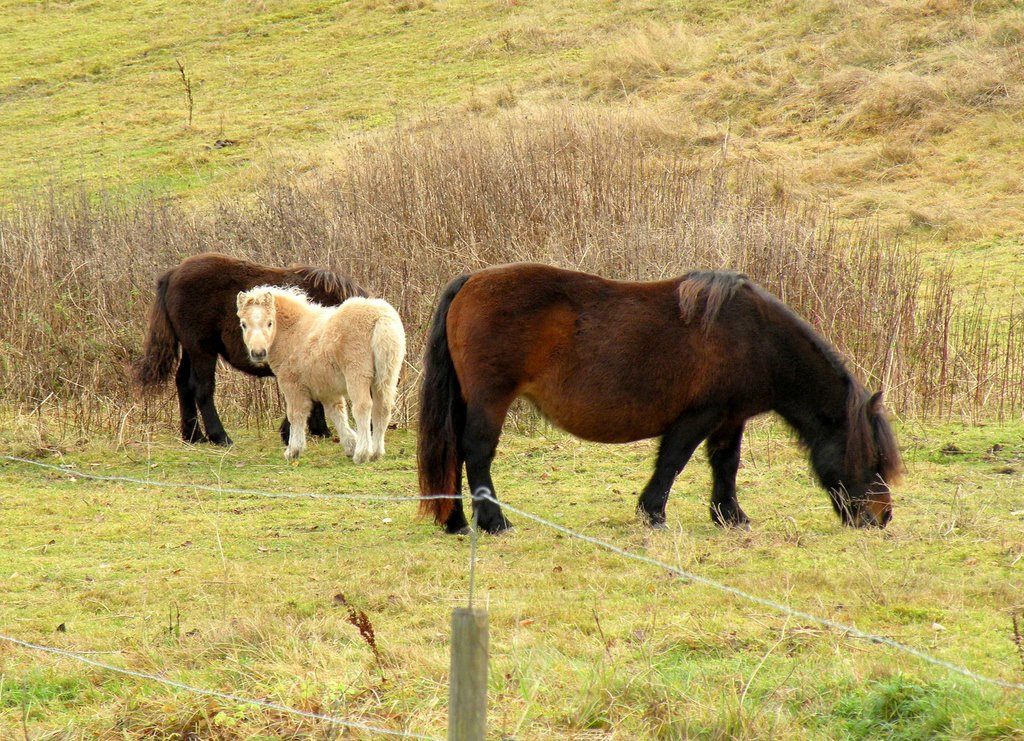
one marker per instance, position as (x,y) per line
(194,310)
(687,359)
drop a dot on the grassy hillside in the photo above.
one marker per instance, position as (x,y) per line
(906,110)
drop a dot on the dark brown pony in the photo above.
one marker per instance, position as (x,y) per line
(688,359)
(194,312)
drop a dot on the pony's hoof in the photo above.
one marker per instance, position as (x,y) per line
(651,521)
(736,520)
(464,530)
(291,456)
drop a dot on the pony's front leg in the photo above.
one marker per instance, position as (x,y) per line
(338,413)
(362,408)
(723,449)
(298,408)
(678,442)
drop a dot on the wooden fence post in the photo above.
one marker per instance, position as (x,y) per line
(467,692)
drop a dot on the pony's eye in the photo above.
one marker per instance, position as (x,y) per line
(269,325)
(244,326)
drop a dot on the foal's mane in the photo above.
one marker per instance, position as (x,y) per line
(329,282)
(702,294)
(294,293)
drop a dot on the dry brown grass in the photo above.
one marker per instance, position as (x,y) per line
(409,210)
(819,88)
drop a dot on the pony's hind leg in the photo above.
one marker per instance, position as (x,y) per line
(298,406)
(479,442)
(204,369)
(338,412)
(362,410)
(383,404)
(723,448)
(678,442)
(190,430)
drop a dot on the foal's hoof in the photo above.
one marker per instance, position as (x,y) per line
(464,530)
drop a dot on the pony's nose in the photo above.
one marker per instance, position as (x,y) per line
(258,356)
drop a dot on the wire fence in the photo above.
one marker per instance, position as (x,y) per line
(213,693)
(479,495)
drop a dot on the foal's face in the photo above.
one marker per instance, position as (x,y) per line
(256,313)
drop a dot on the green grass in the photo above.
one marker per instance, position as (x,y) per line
(100,98)
(236,593)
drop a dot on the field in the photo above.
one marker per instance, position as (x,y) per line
(236,593)
(860,160)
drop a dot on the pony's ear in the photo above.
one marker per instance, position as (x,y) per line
(240,300)
(265,299)
(875,403)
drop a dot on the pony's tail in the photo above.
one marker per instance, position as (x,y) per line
(160,353)
(442,415)
(387,343)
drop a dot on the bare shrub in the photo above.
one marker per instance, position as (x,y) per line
(412,208)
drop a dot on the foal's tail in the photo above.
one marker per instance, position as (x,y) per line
(160,353)
(442,415)
(387,343)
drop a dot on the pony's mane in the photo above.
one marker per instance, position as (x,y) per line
(869,435)
(703,294)
(330,283)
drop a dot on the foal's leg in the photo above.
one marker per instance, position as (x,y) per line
(479,441)
(190,431)
(298,406)
(204,370)
(362,409)
(677,445)
(383,403)
(723,449)
(338,412)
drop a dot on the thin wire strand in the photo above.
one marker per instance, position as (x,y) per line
(213,693)
(851,630)
(785,609)
(220,489)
